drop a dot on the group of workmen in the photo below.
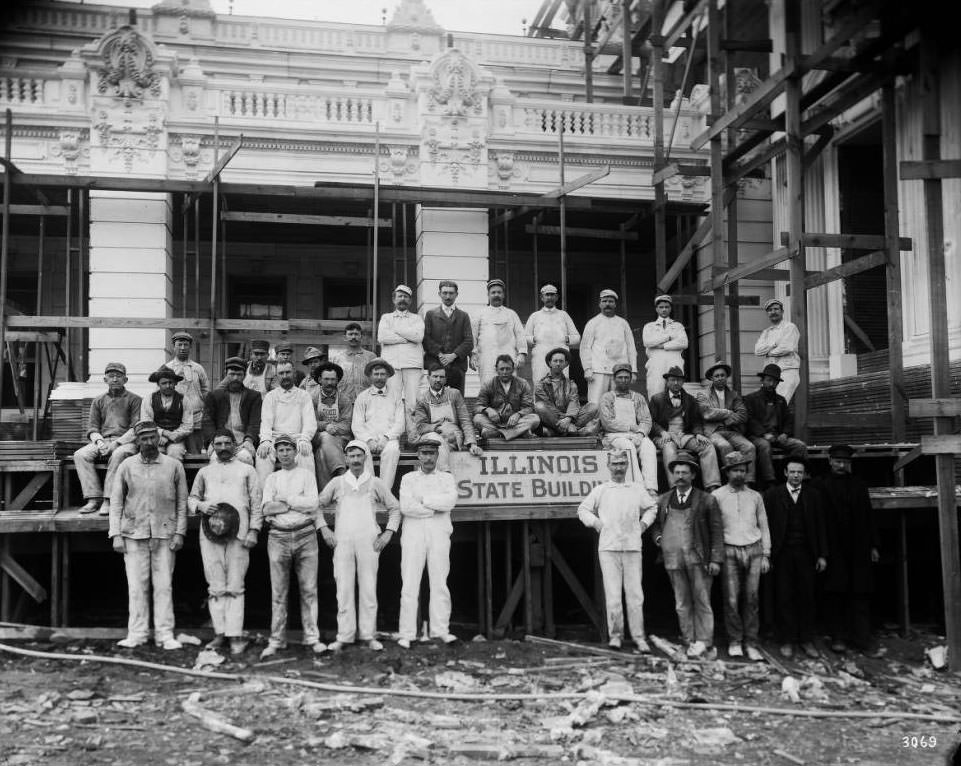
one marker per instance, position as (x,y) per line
(285,446)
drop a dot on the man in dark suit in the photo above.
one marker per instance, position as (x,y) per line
(448,337)
(795,517)
(235,407)
(769,425)
(690,532)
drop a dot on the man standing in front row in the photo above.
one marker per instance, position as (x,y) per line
(357,541)
(226,480)
(620,511)
(689,530)
(505,405)
(427,496)
(606,343)
(148,521)
(448,337)
(497,330)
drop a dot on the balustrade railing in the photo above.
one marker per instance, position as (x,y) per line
(19,91)
(271,104)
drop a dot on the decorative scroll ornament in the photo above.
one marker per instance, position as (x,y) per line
(455,89)
(128,70)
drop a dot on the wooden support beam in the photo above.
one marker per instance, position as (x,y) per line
(578,590)
(219,166)
(677,169)
(32,337)
(245,325)
(847,241)
(579,182)
(748,269)
(708,300)
(573,231)
(735,118)
(906,459)
(848,95)
(30,490)
(684,256)
(752,46)
(510,215)
(941,444)
(865,262)
(22,577)
(928,169)
(294,218)
(935,408)
(59,210)
(823,139)
(681,25)
(734,173)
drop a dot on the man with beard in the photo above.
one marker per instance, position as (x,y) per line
(549,328)
(313,358)
(111,436)
(353,359)
(378,420)
(557,401)
(747,555)
(357,541)
(286,410)
(401,335)
(505,405)
(335,410)
(448,339)
(497,330)
(769,425)
(778,345)
(148,521)
(664,340)
(284,352)
(607,341)
(626,422)
(168,408)
(194,386)
(289,511)
(725,417)
(236,408)
(442,410)
(852,539)
(226,480)
(261,375)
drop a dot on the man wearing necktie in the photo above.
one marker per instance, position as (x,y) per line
(664,340)
(379,419)
(448,337)
(769,425)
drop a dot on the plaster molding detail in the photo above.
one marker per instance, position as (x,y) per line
(191,153)
(71,145)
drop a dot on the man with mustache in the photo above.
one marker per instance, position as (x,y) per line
(194,385)
(335,411)
(313,358)
(168,408)
(664,340)
(549,328)
(353,359)
(401,335)
(497,330)
(235,407)
(286,410)
(448,338)
(607,341)
(778,344)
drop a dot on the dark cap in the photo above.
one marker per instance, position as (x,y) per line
(259,345)
(683,457)
(144,427)
(182,335)
(843,451)
(235,363)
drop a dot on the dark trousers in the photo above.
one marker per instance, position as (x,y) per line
(849,618)
(455,377)
(794,594)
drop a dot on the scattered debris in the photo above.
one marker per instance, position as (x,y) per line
(714,737)
(191,706)
(187,640)
(938,656)
(789,757)
(456,681)
(790,689)
(208,658)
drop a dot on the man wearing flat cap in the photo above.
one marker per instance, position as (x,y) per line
(443,411)
(854,543)
(690,532)
(286,410)
(353,359)
(725,416)
(261,374)
(448,338)
(194,385)
(168,408)
(505,406)
(557,401)
(607,341)
(427,496)
(379,420)
(778,345)
(548,328)
(769,425)
(111,438)
(626,422)
(664,341)
(335,411)
(401,335)
(227,480)
(497,330)
(148,521)
(313,358)
(235,407)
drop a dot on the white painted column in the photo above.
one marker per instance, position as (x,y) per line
(130,277)
(452,244)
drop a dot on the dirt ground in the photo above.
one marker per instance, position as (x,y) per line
(64,712)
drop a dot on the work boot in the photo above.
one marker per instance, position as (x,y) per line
(614,643)
(104,508)
(696,649)
(170,644)
(810,650)
(318,647)
(642,646)
(131,643)
(735,650)
(269,651)
(238,646)
(787,651)
(754,654)
(403,643)
(217,643)
(375,646)
(448,638)
(336,646)
(92,504)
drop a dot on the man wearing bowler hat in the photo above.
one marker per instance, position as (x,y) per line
(168,408)
(664,340)
(235,407)
(626,422)
(497,330)
(769,425)
(379,420)
(689,530)
(607,341)
(335,411)
(548,328)
(261,374)
(778,345)
(747,555)
(148,521)
(401,335)
(557,401)
(448,338)
(194,385)
(725,416)
(111,438)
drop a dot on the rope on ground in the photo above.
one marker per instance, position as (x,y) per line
(336,688)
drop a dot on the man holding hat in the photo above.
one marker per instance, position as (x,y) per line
(357,541)
(148,521)
(725,416)
(607,341)
(664,340)
(427,496)
(194,385)
(289,510)
(497,330)
(505,406)
(548,328)
(226,481)
(261,374)
(168,408)
(335,411)
(853,540)
(626,422)
(235,407)
(557,401)
(286,410)
(769,425)
(689,530)
(448,338)
(442,410)
(313,358)
(401,335)
(677,425)
(778,345)
(111,436)
(379,420)
(620,512)
(353,359)
(747,555)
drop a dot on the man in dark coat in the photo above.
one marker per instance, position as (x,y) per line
(852,539)
(236,408)
(448,336)
(769,425)
(795,518)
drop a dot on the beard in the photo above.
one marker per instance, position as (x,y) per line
(150,451)
(224,455)
(235,386)
(257,367)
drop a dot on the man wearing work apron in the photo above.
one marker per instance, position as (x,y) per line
(442,410)
(549,328)
(497,330)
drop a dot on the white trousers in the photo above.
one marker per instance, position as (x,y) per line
(425,542)
(355,564)
(389,459)
(149,563)
(405,383)
(646,453)
(658,363)
(790,380)
(621,571)
(225,567)
(598,385)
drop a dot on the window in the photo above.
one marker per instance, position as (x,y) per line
(346,299)
(258,298)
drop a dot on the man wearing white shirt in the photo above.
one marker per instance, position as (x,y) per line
(547,329)
(497,330)
(607,341)
(401,335)
(379,420)
(286,410)
(778,344)
(664,340)
(194,385)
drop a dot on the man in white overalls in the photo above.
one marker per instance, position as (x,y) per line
(664,340)
(497,330)
(547,329)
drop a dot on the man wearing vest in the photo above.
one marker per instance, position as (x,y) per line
(557,401)
(442,410)
(168,409)
(335,410)
(448,338)
(236,408)
(194,385)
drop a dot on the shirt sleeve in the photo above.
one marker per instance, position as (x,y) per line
(197,492)
(410,500)
(630,345)
(308,417)
(180,479)
(763,344)
(763,525)
(643,414)
(520,338)
(587,509)
(186,423)
(117,498)
(443,497)
(678,341)
(587,341)
(390,503)
(255,498)
(386,332)
(573,335)
(306,500)
(267,408)
(788,341)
